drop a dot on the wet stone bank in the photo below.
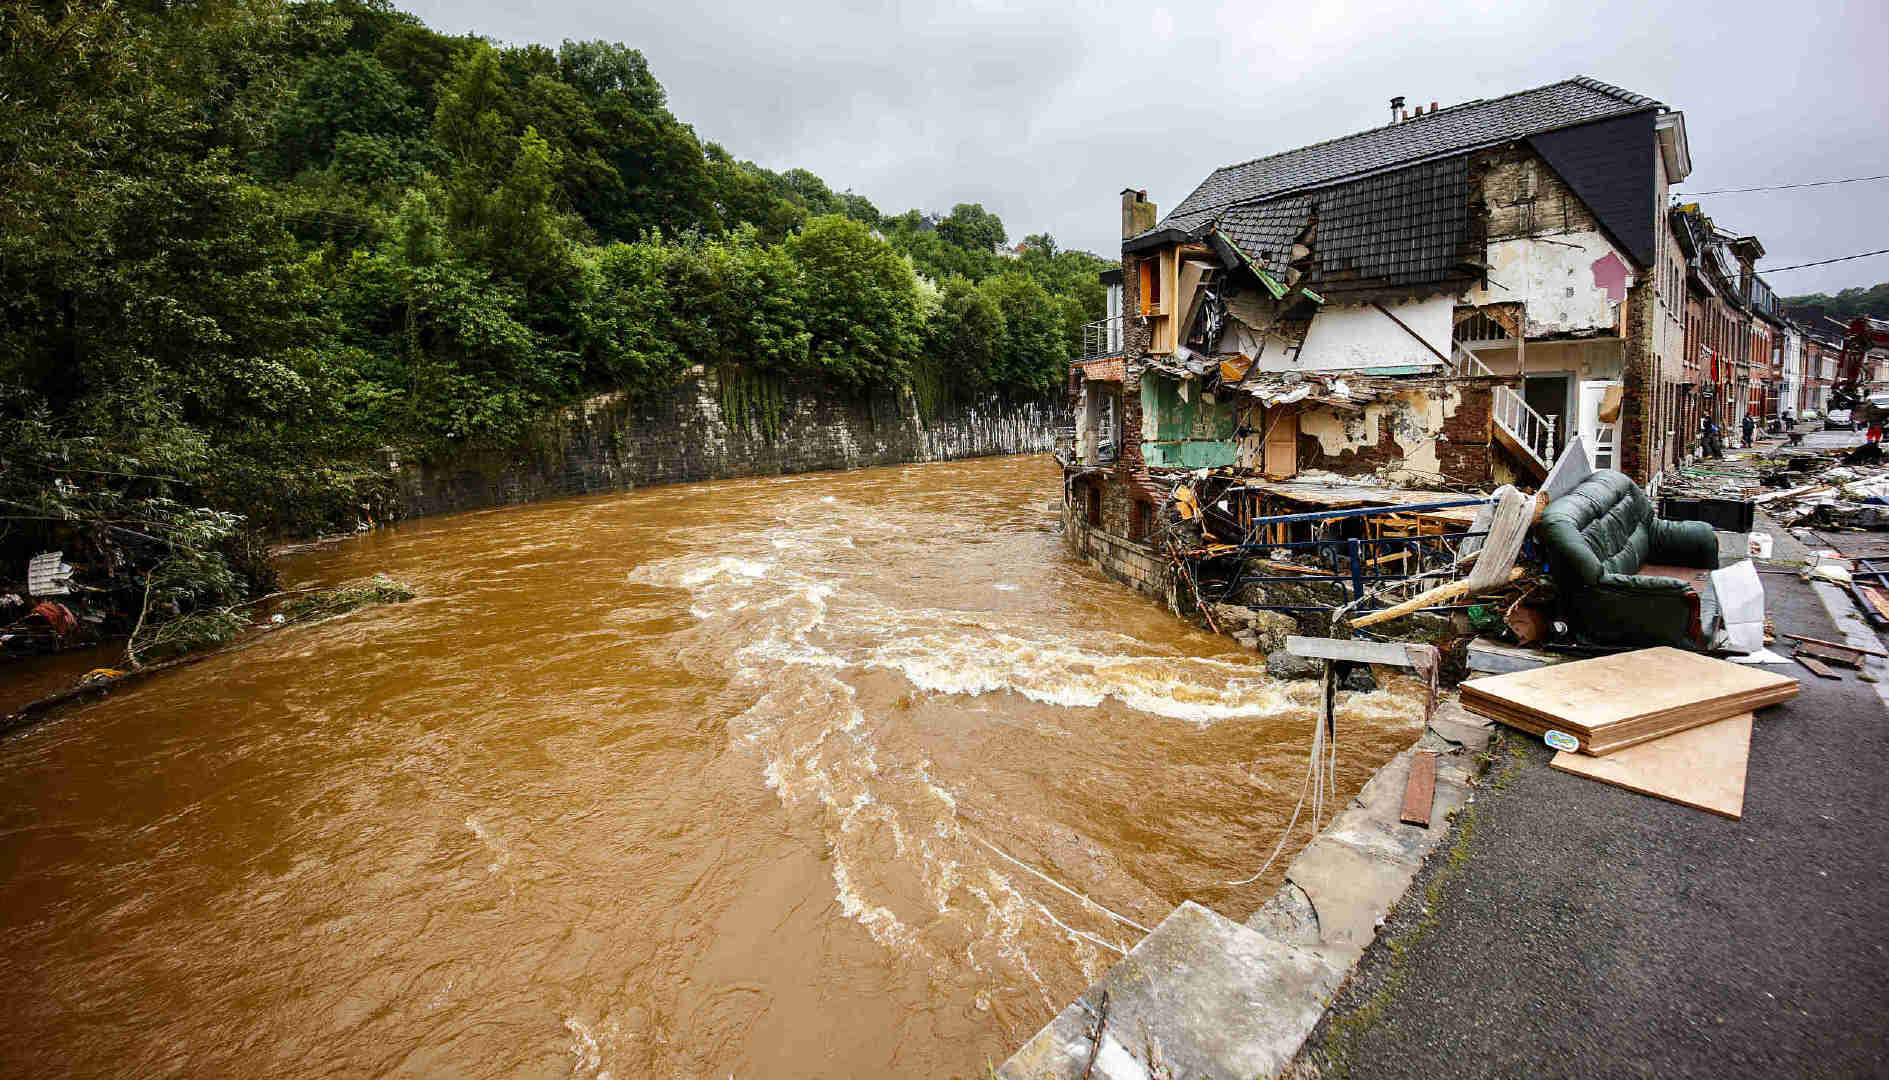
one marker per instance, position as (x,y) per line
(702,431)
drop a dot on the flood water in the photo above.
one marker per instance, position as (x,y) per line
(693,781)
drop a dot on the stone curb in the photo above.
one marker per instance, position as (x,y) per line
(1204,996)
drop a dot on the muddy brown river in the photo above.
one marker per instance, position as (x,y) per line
(693,781)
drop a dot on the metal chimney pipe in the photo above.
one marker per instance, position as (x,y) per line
(1397,103)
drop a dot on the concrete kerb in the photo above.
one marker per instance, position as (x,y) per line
(1204,996)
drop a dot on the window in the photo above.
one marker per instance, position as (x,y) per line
(1140,520)
(1094,490)
(1150,267)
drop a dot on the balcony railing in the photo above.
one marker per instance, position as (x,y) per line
(1531,433)
(1103,337)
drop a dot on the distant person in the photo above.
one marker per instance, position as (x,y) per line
(1711,438)
(1750,427)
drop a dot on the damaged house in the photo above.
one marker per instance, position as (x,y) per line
(1392,318)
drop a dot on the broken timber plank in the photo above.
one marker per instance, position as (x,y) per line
(1836,644)
(1439,595)
(1817,667)
(1420,788)
(1835,654)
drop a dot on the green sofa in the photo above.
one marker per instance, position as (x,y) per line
(1597,538)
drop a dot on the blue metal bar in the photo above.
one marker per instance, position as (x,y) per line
(1368,511)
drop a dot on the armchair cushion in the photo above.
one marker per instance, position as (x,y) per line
(1598,536)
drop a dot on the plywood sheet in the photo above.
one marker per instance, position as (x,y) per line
(1703,767)
(1614,701)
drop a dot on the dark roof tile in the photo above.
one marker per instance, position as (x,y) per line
(1455,130)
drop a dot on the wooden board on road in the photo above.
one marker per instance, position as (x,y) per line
(1420,788)
(1703,767)
(1609,703)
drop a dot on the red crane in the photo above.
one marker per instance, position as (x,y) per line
(1850,389)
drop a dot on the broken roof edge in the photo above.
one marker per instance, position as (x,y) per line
(1634,102)
(1159,236)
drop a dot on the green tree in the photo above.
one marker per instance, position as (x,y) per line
(1034,352)
(965,337)
(861,304)
(346,96)
(971,227)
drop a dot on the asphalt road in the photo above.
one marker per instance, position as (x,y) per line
(1577,929)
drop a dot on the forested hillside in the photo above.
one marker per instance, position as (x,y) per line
(243,243)
(1848,303)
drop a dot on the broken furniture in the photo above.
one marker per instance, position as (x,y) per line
(1609,703)
(1598,537)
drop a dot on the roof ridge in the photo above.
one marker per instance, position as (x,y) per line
(1591,84)
(1627,96)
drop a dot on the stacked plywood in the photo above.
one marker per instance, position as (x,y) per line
(1703,768)
(1613,702)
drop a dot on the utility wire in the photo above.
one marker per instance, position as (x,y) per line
(1784,187)
(1823,262)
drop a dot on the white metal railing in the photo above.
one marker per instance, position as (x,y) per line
(1530,430)
(1103,337)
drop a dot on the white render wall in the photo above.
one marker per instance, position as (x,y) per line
(1344,337)
(1567,282)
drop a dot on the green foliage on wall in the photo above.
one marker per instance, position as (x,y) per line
(246,247)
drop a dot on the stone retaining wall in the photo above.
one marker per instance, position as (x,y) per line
(615,441)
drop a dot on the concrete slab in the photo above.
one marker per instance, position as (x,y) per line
(1501,658)
(1211,997)
(1350,888)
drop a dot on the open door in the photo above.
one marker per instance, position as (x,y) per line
(1282,443)
(1601,437)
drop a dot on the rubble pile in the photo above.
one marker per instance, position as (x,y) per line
(1828,495)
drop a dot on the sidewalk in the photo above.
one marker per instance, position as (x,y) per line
(1571,928)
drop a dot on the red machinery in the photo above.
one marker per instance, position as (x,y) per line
(1850,390)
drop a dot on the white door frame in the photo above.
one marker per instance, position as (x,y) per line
(1602,453)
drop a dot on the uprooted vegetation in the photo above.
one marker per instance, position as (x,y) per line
(217,627)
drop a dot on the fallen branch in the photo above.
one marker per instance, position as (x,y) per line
(1440,595)
(1095,1037)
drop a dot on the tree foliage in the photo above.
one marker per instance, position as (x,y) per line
(248,246)
(1848,303)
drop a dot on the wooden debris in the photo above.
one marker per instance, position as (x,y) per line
(1816,667)
(1703,767)
(1612,702)
(1878,599)
(1420,788)
(1095,1037)
(1839,645)
(1442,594)
(1835,654)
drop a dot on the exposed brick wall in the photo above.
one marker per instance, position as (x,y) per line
(1463,452)
(1507,173)
(613,441)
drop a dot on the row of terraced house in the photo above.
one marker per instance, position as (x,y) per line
(1441,302)
(1745,354)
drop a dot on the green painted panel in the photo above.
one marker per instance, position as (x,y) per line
(1192,434)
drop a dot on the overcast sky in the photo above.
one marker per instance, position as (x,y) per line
(1044,111)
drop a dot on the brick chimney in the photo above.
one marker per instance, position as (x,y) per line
(1138,214)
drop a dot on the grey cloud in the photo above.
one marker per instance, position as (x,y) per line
(1044,111)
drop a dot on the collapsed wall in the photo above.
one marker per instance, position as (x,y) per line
(615,441)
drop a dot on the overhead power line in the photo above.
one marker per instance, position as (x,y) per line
(1823,262)
(1785,187)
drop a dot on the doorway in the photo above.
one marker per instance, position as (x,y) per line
(1601,437)
(1550,396)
